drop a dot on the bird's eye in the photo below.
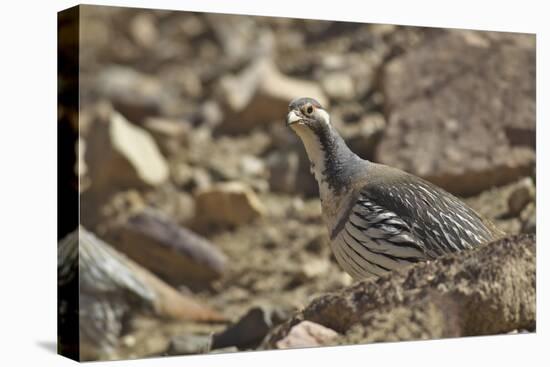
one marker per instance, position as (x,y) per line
(309,109)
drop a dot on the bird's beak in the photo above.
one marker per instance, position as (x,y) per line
(292,118)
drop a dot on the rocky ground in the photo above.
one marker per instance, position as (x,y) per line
(188,171)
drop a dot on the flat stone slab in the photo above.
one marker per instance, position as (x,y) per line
(461,110)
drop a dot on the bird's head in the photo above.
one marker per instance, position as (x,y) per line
(328,153)
(307,113)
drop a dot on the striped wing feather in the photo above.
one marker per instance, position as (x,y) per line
(403,222)
(438,221)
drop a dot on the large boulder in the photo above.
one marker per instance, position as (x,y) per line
(176,254)
(489,290)
(461,110)
(260,95)
(121,155)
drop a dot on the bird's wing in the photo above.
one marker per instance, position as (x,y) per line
(388,239)
(438,221)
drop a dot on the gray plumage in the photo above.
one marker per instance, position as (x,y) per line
(381,218)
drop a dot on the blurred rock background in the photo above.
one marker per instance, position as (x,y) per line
(188,171)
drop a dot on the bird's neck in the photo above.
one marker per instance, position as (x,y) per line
(332,162)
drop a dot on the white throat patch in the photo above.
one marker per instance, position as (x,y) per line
(313,148)
(313,145)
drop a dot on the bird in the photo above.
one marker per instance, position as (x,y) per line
(380,218)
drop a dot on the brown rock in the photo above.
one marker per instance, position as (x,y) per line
(81,168)
(260,95)
(121,155)
(523,194)
(529,219)
(176,204)
(189,344)
(165,128)
(307,334)
(314,268)
(170,135)
(190,178)
(251,166)
(461,110)
(176,254)
(134,94)
(228,204)
(338,86)
(237,35)
(488,290)
(251,328)
(364,136)
(283,171)
(494,205)
(144,30)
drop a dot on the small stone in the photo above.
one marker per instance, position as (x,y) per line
(250,330)
(229,203)
(82,168)
(129,341)
(258,185)
(283,171)
(338,86)
(191,85)
(307,334)
(201,179)
(345,279)
(231,349)
(252,166)
(166,128)
(143,29)
(522,194)
(382,29)
(176,204)
(316,244)
(192,25)
(211,113)
(189,344)
(190,178)
(333,62)
(315,268)
(170,135)
(529,219)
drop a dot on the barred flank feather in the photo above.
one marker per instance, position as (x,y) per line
(416,222)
